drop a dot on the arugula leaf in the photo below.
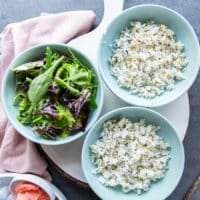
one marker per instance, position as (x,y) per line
(92,101)
(49,58)
(25,116)
(19,97)
(64,117)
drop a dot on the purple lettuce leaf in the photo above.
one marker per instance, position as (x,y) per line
(84,119)
(67,97)
(49,109)
(86,114)
(77,127)
(24,86)
(76,105)
(49,131)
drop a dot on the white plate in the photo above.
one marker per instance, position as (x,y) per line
(67,157)
(7,177)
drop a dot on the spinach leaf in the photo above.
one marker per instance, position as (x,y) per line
(39,85)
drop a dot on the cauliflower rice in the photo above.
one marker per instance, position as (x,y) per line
(130,154)
(147,59)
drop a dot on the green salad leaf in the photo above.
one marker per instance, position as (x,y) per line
(40,84)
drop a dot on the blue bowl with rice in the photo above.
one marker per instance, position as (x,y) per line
(109,166)
(133,69)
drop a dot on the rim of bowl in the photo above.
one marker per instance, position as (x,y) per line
(43,184)
(138,103)
(42,141)
(116,111)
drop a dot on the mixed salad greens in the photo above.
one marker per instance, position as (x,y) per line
(56,95)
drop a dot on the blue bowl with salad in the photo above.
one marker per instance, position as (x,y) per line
(52,94)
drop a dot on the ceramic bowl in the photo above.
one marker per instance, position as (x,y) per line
(43,184)
(8,90)
(160,189)
(183,32)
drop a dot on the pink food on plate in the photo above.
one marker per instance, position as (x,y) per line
(30,191)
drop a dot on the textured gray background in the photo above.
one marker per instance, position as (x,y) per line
(16,10)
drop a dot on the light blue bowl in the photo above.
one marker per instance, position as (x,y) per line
(184,33)
(160,189)
(8,90)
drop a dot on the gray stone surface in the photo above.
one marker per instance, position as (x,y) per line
(16,10)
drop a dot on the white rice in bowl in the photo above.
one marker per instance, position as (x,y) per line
(130,155)
(147,59)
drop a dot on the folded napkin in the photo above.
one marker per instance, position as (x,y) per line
(17,154)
